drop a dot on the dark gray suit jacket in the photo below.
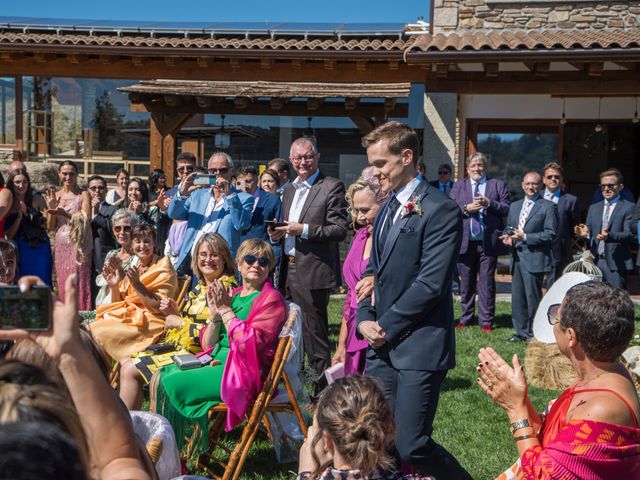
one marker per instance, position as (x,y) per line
(541,228)
(325,210)
(413,302)
(568,216)
(617,247)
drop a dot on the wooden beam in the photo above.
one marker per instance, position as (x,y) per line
(595,69)
(394,65)
(442,70)
(41,57)
(329,64)
(109,66)
(351,103)
(389,103)
(139,61)
(300,109)
(362,122)
(8,56)
(241,102)
(235,64)
(203,62)
(314,103)
(202,101)
(172,100)
(539,69)
(491,69)
(162,141)
(361,65)
(277,103)
(266,63)
(557,83)
(173,61)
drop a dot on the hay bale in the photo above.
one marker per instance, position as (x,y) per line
(547,368)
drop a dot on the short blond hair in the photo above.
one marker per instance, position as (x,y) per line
(257,247)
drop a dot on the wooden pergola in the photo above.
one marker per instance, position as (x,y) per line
(172,103)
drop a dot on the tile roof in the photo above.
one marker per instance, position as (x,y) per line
(269,89)
(525,40)
(200,44)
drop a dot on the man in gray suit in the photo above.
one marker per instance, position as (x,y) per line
(315,211)
(409,327)
(609,229)
(534,223)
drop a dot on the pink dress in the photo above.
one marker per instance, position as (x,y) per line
(352,270)
(65,257)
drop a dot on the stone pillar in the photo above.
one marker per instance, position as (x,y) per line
(439,145)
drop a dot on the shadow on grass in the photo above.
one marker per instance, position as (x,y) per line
(503,320)
(456,383)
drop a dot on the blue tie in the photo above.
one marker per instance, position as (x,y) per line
(475,217)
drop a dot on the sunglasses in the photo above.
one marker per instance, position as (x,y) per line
(552,314)
(251,259)
(125,228)
(185,170)
(443,172)
(610,186)
(553,177)
(222,170)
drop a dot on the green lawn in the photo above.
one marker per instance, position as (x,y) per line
(468,424)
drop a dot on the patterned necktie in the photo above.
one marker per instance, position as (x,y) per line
(605,226)
(524,214)
(475,216)
(392,208)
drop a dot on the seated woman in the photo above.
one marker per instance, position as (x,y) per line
(591,430)
(351,433)
(133,320)
(123,223)
(242,349)
(213,261)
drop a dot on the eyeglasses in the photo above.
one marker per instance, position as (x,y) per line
(95,188)
(553,177)
(308,156)
(122,228)
(552,314)
(610,186)
(251,259)
(185,169)
(222,170)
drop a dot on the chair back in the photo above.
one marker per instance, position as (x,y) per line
(183,288)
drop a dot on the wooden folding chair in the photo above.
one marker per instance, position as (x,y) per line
(255,416)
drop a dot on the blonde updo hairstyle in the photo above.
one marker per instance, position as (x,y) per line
(357,418)
(368,183)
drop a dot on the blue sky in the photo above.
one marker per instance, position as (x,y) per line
(398,11)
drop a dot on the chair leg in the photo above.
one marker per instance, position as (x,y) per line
(267,426)
(294,404)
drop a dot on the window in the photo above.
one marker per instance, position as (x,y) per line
(7,111)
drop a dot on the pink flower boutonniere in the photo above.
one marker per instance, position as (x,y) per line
(410,208)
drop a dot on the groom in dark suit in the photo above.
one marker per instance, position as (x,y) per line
(484,202)
(409,327)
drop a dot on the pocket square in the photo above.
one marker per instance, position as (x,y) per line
(407,230)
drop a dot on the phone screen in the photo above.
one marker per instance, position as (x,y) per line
(204,179)
(29,311)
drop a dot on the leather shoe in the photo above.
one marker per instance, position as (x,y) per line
(460,326)
(517,338)
(487,328)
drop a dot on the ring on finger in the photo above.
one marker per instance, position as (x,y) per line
(490,385)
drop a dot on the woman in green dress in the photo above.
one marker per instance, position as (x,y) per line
(213,261)
(250,319)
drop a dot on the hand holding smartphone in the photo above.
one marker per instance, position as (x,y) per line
(204,179)
(273,224)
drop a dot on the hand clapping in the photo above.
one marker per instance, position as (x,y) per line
(217,296)
(112,271)
(505,385)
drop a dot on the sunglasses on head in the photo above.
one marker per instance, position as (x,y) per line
(122,228)
(251,259)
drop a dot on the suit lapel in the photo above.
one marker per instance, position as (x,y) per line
(419,193)
(615,211)
(598,224)
(536,206)
(313,191)
(289,193)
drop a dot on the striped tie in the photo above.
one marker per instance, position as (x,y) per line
(524,214)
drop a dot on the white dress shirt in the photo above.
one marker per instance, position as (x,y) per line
(403,195)
(211,219)
(302,190)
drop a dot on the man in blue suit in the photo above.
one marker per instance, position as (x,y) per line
(484,203)
(219,209)
(409,327)
(568,217)
(266,206)
(534,221)
(609,230)
(444,182)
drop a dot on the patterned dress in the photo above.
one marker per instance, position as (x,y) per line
(64,252)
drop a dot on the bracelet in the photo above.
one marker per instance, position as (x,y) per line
(518,424)
(525,437)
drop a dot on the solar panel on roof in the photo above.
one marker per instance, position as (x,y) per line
(286,28)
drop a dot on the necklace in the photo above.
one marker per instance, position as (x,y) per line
(594,378)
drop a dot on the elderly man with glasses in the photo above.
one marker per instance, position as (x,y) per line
(609,230)
(315,213)
(219,209)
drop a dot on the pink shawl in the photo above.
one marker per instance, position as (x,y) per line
(252,345)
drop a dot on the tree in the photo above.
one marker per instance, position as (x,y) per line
(107,123)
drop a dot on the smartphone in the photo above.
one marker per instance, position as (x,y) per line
(274,223)
(204,179)
(28,311)
(161,348)
(508,231)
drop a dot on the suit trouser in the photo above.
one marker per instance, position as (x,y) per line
(413,395)
(526,293)
(315,324)
(615,278)
(472,265)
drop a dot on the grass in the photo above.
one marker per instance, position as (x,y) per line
(468,423)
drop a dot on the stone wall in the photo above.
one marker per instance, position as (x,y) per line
(517,14)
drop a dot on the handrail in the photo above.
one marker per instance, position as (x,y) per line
(87,165)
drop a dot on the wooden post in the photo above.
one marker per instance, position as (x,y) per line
(162,141)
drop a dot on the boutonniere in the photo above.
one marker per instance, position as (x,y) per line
(410,208)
